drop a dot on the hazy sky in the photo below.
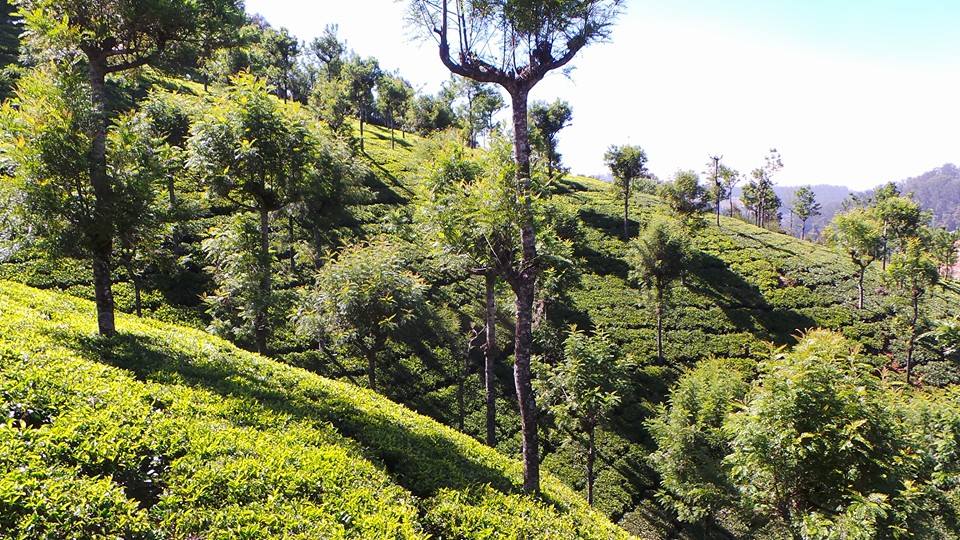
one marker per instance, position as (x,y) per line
(852,92)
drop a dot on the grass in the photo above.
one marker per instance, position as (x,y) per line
(166,432)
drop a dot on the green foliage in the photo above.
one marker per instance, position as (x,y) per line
(627,164)
(47,144)
(658,256)
(546,121)
(361,298)
(586,385)
(197,438)
(691,443)
(804,206)
(686,198)
(821,446)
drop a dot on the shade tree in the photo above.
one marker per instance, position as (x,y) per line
(584,388)
(546,122)
(468,217)
(804,206)
(48,127)
(858,234)
(515,47)
(912,272)
(627,164)
(658,259)
(110,36)
(393,100)
(255,154)
(685,198)
(361,297)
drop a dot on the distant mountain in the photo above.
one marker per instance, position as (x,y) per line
(938,190)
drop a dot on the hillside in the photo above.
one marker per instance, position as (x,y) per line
(747,288)
(167,432)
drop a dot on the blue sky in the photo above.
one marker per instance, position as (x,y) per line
(851,92)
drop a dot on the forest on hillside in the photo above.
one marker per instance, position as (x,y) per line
(285,294)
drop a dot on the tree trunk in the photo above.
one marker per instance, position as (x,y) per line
(171,191)
(372,369)
(489,359)
(659,310)
(524,283)
(591,457)
(290,240)
(392,139)
(101,233)
(913,334)
(626,210)
(136,295)
(260,323)
(803,229)
(361,129)
(860,287)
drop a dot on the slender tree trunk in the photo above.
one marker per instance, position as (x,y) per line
(372,369)
(863,271)
(361,128)
(172,191)
(913,334)
(489,359)
(101,235)
(716,184)
(626,210)
(731,202)
(392,139)
(803,229)
(260,323)
(591,458)
(524,283)
(136,295)
(293,251)
(659,310)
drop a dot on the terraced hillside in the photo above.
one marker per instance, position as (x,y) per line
(166,432)
(748,289)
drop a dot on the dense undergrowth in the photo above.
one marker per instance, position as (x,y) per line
(166,432)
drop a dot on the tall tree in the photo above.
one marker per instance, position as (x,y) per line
(257,154)
(467,212)
(912,272)
(546,121)
(804,206)
(479,102)
(685,197)
(858,234)
(627,164)
(393,97)
(111,36)
(760,198)
(943,248)
(47,131)
(362,75)
(762,188)
(329,52)
(901,218)
(516,46)
(717,189)
(585,387)
(729,178)
(658,259)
